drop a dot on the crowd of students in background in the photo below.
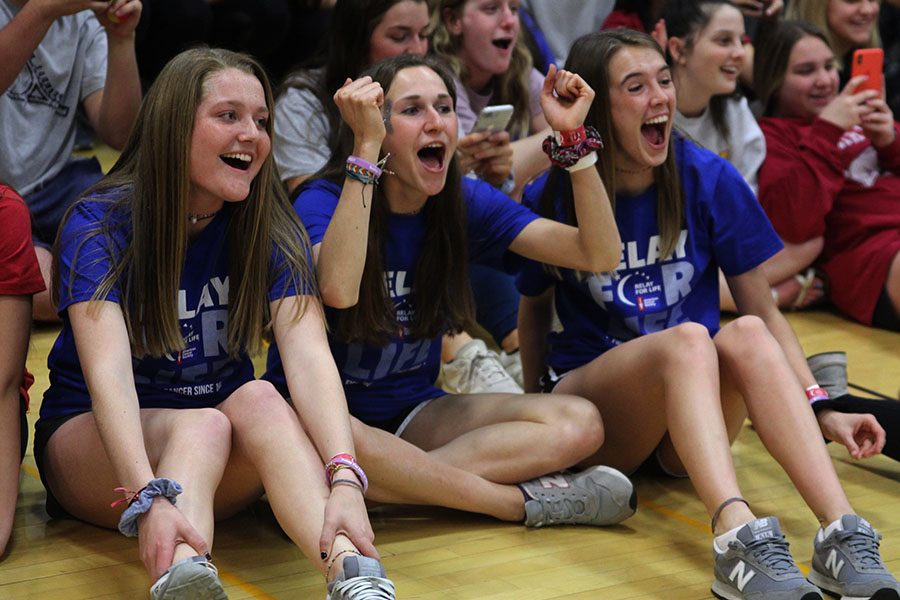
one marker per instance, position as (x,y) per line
(664,161)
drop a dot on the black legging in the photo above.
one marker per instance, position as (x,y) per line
(887,412)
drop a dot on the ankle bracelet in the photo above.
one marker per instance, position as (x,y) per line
(718,511)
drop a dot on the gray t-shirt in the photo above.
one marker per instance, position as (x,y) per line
(301,134)
(469,102)
(564,21)
(745,148)
(37,112)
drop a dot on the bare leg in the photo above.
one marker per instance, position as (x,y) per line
(272,452)
(77,468)
(43,308)
(780,413)
(779,270)
(404,474)
(450,345)
(659,383)
(507,438)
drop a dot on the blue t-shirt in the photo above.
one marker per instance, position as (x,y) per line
(201,375)
(724,227)
(383,382)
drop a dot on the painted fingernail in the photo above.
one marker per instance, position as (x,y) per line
(323,554)
(208,556)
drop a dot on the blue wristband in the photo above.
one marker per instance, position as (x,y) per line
(162,486)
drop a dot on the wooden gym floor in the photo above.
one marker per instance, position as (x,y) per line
(663,552)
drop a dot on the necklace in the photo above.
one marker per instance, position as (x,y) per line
(193,219)
(633,171)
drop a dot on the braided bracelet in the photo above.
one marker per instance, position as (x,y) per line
(565,156)
(140,502)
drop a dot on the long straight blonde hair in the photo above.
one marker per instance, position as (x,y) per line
(148,189)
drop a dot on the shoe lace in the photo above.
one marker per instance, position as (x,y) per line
(863,547)
(773,554)
(488,368)
(365,588)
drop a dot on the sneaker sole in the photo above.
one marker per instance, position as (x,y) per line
(721,590)
(827,585)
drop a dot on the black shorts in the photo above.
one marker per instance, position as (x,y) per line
(43,431)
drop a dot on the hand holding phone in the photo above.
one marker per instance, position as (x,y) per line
(868,62)
(493,118)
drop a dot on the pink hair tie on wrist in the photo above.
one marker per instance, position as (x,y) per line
(345,461)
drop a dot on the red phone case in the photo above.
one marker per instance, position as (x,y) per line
(869,62)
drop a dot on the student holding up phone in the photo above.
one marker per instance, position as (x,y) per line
(831,169)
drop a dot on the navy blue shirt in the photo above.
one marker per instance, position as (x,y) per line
(383,382)
(725,227)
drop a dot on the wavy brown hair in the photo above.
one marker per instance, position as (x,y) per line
(148,190)
(509,88)
(441,291)
(590,57)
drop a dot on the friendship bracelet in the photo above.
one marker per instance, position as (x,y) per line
(141,501)
(565,156)
(814,393)
(347,482)
(349,462)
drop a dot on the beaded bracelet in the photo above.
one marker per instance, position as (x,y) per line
(139,502)
(565,156)
(814,393)
(347,461)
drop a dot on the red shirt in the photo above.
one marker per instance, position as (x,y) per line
(20,274)
(819,180)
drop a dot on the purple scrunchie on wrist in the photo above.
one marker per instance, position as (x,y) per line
(162,486)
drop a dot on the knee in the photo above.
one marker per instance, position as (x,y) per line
(578,427)
(207,424)
(689,346)
(745,336)
(257,403)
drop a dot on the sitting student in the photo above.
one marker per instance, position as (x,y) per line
(707,55)
(362,33)
(643,341)
(20,278)
(831,170)
(392,261)
(58,59)
(482,43)
(180,259)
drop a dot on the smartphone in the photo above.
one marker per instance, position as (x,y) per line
(493,118)
(869,62)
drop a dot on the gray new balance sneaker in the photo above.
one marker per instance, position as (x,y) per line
(194,578)
(595,496)
(846,562)
(362,579)
(758,566)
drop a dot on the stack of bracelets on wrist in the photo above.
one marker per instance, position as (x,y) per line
(814,394)
(573,150)
(361,170)
(140,501)
(345,461)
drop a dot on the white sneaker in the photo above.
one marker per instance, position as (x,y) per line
(512,364)
(477,370)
